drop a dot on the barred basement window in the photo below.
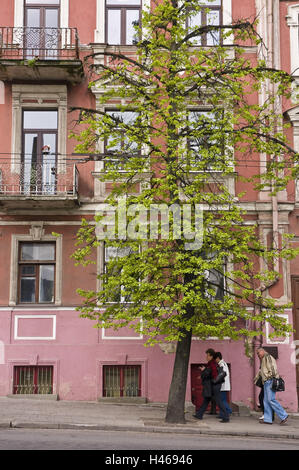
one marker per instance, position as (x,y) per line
(122,381)
(33,380)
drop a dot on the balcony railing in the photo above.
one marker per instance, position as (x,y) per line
(39,43)
(37,181)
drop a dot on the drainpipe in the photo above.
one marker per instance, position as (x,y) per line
(272,40)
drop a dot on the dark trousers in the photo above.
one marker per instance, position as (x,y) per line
(217,397)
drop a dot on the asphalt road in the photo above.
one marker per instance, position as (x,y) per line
(27,439)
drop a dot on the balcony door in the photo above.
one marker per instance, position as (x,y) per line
(39,163)
(41,28)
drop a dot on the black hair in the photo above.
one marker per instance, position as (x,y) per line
(218,354)
(211,352)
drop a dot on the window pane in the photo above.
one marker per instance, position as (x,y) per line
(40,120)
(132,19)
(123,2)
(29,177)
(38,251)
(51,18)
(195,21)
(113,27)
(27,293)
(46,283)
(33,21)
(131,381)
(213,18)
(42,2)
(28,270)
(111,381)
(113,252)
(210,2)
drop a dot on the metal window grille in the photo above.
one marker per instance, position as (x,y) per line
(122,381)
(33,380)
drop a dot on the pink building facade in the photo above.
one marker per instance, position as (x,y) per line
(45,347)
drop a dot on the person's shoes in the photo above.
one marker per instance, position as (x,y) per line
(261,418)
(283,421)
(197,417)
(264,422)
(224,421)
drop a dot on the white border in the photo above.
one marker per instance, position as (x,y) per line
(286,340)
(293,23)
(34,338)
(121,337)
(14,266)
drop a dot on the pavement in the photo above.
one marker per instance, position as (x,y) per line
(50,414)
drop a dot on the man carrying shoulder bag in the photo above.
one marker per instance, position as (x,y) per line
(268,371)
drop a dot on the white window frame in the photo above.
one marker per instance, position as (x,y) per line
(293,23)
(293,115)
(21,94)
(36,235)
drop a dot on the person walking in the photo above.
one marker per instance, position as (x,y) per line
(208,374)
(225,386)
(267,372)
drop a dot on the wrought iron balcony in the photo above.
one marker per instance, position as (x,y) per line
(31,186)
(39,48)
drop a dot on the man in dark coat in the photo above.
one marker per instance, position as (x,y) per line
(208,374)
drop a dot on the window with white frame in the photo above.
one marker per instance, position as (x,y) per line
(292,19)
(118,143)
(36,268)
(209,15)
(36,272)
(205,143)
(111,254)
(122,17)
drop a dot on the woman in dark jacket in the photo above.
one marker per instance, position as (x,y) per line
(210,390)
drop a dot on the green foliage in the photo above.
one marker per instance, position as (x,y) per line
(188,124)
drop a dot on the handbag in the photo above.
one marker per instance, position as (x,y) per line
(259,382)
(278,385)
(220,377)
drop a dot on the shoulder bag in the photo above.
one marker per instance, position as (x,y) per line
(220,377)
(278,385)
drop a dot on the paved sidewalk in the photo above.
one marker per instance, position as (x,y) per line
(48,414)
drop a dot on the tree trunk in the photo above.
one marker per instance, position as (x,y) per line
(177,392)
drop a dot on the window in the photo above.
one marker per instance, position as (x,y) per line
(112,253)
(121,18)
(215,279)
(33,380)
(210,14)
(39,151)
(203,144)
(122,381)
(36,272)
(118,143)
(293,23)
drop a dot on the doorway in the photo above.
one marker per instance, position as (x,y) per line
(39,156)
(196,390)
(41,21)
